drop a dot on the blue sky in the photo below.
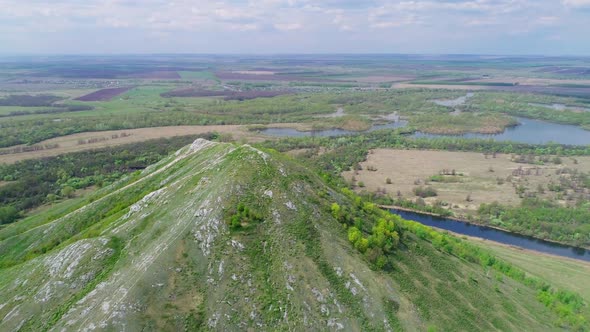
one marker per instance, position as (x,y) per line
(551,27)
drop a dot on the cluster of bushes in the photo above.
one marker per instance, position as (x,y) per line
(425,192)
(383,239)
(417,206)
(371,231)
(242,217)
(444,178)
(29,148)
(8,214)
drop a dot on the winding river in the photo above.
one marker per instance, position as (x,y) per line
(495,235)
(529,131)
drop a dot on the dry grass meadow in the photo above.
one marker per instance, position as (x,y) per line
(71,143)
(483,179)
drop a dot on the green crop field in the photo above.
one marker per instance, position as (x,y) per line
(198,75)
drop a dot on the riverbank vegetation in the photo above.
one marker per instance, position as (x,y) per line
(541,219)
(533,106)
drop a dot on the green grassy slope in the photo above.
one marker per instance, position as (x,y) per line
(227,237)
(565,273)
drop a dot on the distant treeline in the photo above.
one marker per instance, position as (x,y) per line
(29,101)
(227,94)
(464,83)
(542,219)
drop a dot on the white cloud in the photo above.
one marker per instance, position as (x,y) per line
(317,23)
(577,3)
(548,20)
(288,26)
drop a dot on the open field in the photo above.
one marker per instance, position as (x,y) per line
(483,179)
(225,75)
(71,143)
(104,94)
(158,74)
(198,75)
(383,78)
(227,94)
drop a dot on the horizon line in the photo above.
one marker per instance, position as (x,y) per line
(16,54)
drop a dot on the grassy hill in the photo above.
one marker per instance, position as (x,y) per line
(227,237)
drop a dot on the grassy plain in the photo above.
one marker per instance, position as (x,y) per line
(198,75)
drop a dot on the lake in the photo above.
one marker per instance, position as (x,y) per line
(529,131)
(495,235)
(532,132)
